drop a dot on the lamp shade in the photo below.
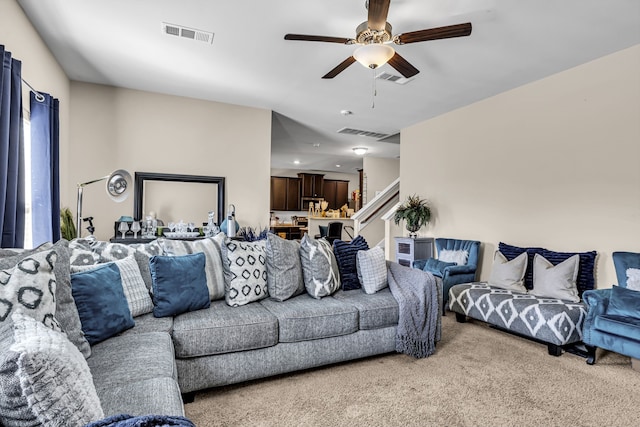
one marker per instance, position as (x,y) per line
(374,55)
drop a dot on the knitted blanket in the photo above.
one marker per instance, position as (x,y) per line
(124,420)
(416,293)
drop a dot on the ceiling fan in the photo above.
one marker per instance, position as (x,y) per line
(375,37)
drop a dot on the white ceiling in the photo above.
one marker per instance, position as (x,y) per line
(120,43)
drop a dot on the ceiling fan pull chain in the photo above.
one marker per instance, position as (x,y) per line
(373,88)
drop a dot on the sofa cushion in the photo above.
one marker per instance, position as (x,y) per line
(29,286)
(160,396)
(284,270)
(372,269)
(101,303)
(375,311)
(66,310)
(555,281)
(132,357)
(345,253)
(224,329)
(508,274)
(245,271)
(44,379)
(628,327)
(211,248)
(179,284)
(305,318)
(149,323)
(319,267)
(135,290)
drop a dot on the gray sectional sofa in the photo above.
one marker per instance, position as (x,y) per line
(157,365)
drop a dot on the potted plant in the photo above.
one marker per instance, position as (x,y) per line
(415,212)
(67,227)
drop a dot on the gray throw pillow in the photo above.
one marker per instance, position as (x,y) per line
(284,270)
(319,267)
(211,247)
(245,271)
(557,281)
(508,274)
(44,379)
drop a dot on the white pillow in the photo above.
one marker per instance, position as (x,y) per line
(135,291)
(56,386)
(558,281)
(508,274)
(633,279)
(372,269)
(459,257)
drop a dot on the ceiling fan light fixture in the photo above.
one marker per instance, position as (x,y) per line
(360,151)
(374,55)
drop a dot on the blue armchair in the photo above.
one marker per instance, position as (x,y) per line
(450,272)
(613,315)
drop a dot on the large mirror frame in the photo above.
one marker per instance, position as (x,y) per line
(141,177)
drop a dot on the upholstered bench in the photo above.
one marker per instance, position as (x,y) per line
(552,321)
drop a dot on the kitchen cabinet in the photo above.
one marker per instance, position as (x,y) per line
(336,193)
(312,185)
(285,194)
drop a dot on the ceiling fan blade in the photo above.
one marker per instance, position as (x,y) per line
(378,11)
(403,66)
(340,68)
(458,30)
(308,38)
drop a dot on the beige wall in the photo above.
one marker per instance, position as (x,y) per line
(115,128)
(39,68)
(553,163)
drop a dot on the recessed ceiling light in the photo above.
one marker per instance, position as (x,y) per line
(316,145)
(296,162)
(360,151)
(337,166)
(346,112)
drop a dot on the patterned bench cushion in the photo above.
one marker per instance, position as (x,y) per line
(549,320)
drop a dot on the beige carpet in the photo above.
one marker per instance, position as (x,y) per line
(477,377)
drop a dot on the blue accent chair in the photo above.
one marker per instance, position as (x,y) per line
(451,273)
(613,315)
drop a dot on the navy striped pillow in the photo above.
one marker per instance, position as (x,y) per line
(345,254)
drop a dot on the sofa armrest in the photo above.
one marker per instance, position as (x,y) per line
(459,269)
(596,301)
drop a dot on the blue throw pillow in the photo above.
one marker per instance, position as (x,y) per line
(179,284)
(345,254)
(623,302)
(101,303)
(436,267)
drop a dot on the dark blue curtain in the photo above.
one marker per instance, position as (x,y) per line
(45,168)
(12,215)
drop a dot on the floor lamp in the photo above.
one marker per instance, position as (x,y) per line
(117,187)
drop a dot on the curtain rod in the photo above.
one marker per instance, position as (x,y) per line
(39,96)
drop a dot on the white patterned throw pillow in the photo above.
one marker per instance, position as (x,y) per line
(372,269)
(245,271)
(135,291)
(633,278)
(319,267)
(30,286)
(458,256)
(45,379)
(557,281)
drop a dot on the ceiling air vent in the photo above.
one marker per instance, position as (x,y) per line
(393,78)
(358,132)
(187,33)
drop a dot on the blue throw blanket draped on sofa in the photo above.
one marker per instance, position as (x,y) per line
(124,420)
(416,293)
